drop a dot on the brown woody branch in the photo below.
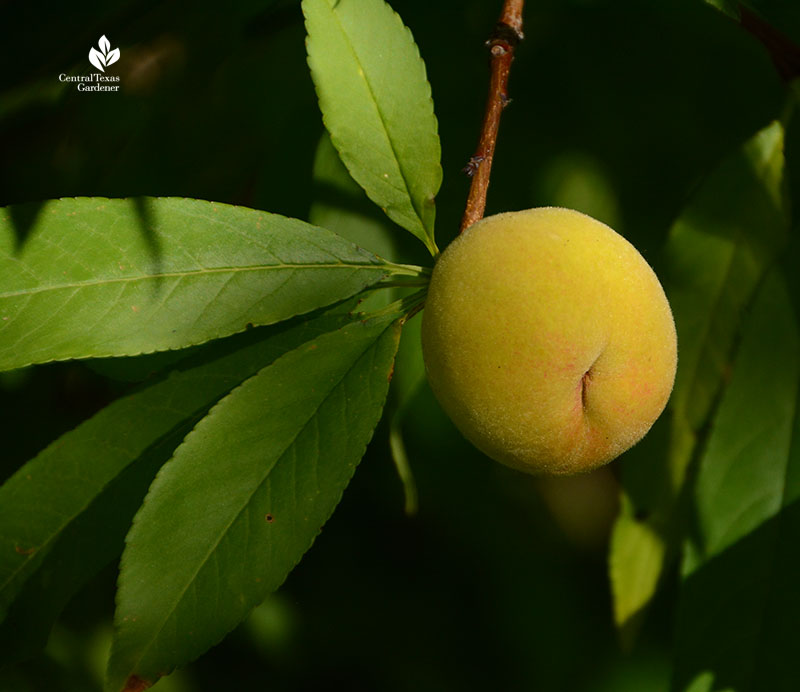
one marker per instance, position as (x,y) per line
(507,34)
(784,52)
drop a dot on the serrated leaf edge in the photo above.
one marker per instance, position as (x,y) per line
(419,229)
(394,323)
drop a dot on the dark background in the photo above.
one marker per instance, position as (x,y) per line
(500,581)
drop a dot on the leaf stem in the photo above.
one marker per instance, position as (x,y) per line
(407,306)
(408,270)
(399,283)
(504,39)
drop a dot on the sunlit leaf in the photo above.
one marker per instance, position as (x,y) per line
(376,103)
(98,277)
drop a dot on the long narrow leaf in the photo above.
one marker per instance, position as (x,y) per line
(244,497)
(99,277)
(376,103)
(717,252)
(59,500)
(77,548)
(738,608)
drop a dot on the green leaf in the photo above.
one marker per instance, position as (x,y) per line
(77,549)
(717,252)
(98,277)
(244,497)
(636,558)
(376,103)
(738,607)
(84,488)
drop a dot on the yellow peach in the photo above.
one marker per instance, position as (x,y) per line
(548,340)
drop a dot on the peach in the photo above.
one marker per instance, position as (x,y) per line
(548,340)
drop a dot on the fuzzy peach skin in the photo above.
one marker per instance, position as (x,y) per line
(548,340)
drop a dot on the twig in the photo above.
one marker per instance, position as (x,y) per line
(784,52)
(505,37)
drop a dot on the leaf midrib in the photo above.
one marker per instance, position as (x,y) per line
(188,273)
(246,503)
(381,118)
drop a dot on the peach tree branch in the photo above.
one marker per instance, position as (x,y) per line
(502,43)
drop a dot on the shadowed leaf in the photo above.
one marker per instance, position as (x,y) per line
(84,488)
(738,607)
(717,252)
(244,497)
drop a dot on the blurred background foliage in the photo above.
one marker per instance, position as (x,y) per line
(500,580)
